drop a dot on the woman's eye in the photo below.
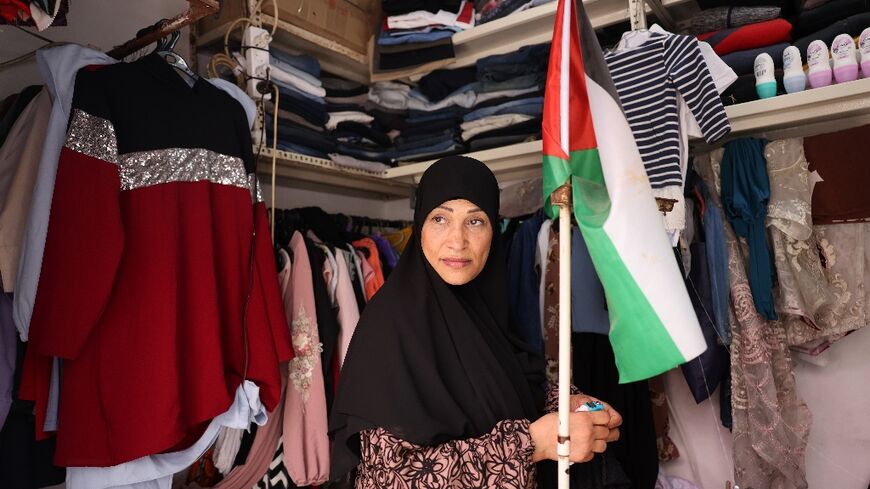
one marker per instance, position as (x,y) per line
(476,222)
(439,220)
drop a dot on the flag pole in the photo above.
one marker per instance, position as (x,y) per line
(561,197)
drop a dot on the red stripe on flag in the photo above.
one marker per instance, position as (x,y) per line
(581,131)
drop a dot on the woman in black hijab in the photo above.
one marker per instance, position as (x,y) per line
(435,391)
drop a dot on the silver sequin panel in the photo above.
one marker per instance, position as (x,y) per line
(95,137)
(147,168)
(252,184)
(92,136)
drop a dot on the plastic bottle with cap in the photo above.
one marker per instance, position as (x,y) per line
(864,51)
(845,63)
(820,64)
(765,81)
(794,79)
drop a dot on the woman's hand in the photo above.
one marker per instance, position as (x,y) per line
(580,399)
(589,435)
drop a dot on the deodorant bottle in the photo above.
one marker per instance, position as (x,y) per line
(864,51)
(794,78)
(820,64)
(845,63)
(765,81)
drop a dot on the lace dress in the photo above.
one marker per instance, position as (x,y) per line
(771,423)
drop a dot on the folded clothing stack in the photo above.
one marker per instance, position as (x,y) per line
(418,32)
(489,10)
(850,22)
(302,112)
(741,44)
(739,35)
(324,116)
(509,102)
(497,102)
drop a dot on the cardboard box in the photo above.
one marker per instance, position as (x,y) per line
(347,22)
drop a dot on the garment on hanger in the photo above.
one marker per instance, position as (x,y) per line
(706,372)
(17,106)
(594,373)
(845,255)
(523,281)
(376,281)
(802,287)
(770,453)
(648,78)
(156,471)
(327,320)
(306,444)
(717,263)
(745,196)
(102,143)
(19,160)
(267,438)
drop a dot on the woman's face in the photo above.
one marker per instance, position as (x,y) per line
(456,237)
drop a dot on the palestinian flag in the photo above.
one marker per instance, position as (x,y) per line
(653,327)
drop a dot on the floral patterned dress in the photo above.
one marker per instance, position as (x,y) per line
(500,459)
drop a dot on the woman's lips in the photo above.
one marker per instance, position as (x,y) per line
(456,262)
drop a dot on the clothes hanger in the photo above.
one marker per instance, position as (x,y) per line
(166,50)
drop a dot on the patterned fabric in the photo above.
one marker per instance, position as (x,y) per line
(844,254)
(277,476)
(551,305)
(821,270)
(667,449)
(771,423)
(500,459)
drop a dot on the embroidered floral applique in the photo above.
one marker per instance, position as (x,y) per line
(307,352)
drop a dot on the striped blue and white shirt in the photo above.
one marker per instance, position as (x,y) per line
(647,79)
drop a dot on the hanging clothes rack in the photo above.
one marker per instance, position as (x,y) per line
(198,9)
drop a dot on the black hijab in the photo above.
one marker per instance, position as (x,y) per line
(431,362)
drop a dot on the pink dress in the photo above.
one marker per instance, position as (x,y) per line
(306,443)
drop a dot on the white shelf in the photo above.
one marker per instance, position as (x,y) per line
(510,33)
(814,111)
(297,170)
(806,113)
(514,162)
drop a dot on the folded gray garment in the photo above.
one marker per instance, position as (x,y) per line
(742,62)
(719,18)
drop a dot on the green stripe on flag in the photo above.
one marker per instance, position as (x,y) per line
(583,164)
(631,314)
(632,317)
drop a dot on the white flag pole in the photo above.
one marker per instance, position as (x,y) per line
(562,198)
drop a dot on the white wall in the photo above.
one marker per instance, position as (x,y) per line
(102,24)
